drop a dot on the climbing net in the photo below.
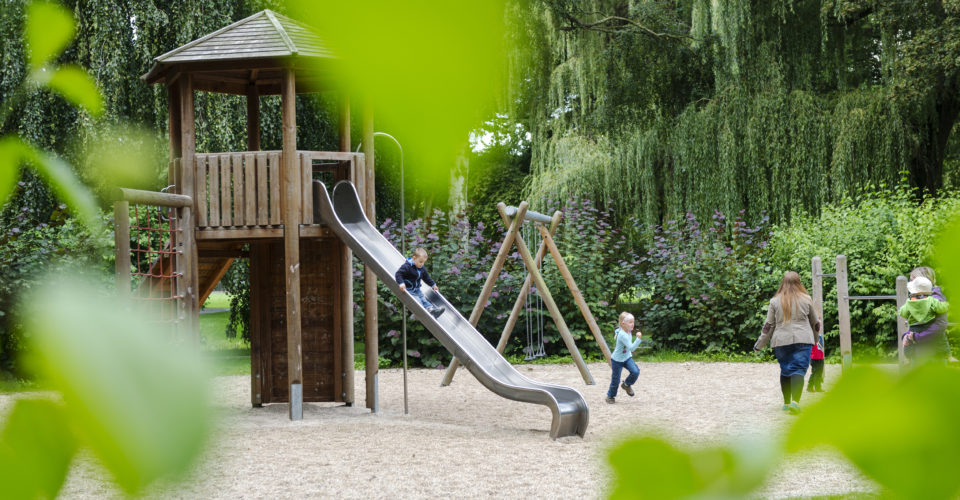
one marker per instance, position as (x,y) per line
(156,279)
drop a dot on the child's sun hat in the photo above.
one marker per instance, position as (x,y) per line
(920,286)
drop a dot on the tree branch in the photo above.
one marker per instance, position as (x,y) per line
(600,26)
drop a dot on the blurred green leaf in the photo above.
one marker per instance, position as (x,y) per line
(947,259)
(902,433)
(50,28)
(122,156)
(73,83)
(59,176)
(139,402)
(432,73)
(11,155)
(36,447)
(648,467)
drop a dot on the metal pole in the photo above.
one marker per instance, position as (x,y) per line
(403,251)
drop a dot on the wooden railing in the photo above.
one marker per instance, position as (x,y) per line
(243,189)
(238,189)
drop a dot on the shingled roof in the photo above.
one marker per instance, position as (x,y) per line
(260,41)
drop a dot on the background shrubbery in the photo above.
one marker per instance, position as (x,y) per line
(695,286)
(884,234)
(29,252)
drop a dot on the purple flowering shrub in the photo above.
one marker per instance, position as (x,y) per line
(703,287)
(460,257)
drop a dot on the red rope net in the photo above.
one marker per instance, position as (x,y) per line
(156,279)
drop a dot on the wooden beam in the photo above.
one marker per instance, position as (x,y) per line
(290,207)
(548,301)
(121,237)
(816,289)
(902,326)
(371,335)
(514,228)
(154,198)
(173,124)
(258,307)
(240,233)
(343,123)
(187,241)
(574,289)
(315,231)
(346,274)
(253,118)
(843,312)
(522,296)
(224,253)
(210,285)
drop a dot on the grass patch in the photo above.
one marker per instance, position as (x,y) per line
(217,300)
(212,333)
(226,356)
(12,385)
(229,361)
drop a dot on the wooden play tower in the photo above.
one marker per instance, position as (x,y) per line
(259,205)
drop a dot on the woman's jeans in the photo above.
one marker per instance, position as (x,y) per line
(617,367)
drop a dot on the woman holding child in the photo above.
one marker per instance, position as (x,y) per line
(790,329)
(926,339)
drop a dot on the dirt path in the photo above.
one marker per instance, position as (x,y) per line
(465,441)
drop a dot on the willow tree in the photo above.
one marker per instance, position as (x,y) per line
(116,42)
(656,108)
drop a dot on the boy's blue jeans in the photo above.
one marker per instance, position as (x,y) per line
(617,367)
(416,292)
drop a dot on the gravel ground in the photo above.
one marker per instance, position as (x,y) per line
(465,441)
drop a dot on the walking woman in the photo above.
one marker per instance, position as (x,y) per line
(790,329)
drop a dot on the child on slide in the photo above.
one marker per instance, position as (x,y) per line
(409,276)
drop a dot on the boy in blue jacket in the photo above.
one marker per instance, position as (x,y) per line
(409,276)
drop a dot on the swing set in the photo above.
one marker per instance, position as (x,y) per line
(542,236)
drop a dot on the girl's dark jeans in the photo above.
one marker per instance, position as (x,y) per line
(618,367)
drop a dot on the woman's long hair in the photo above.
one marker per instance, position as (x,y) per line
(791,292)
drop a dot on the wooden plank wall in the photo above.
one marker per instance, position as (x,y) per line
(320,319)
(238,189)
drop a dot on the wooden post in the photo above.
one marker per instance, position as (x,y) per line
(253,119)
(902,326)
(176,150)
(290,208)
(188,243)
(816,286)
(259,256)
(843,312)
(121,238)
(369,278)
(346,274)
(575,290)
(548,301)
(524,291)
(514,228)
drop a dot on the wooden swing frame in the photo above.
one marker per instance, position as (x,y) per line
(513,218)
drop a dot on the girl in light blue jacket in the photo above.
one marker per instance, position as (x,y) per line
(622,357)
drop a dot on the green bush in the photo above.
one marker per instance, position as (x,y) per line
(26,254)
(461,257)
(704,286)
(884,234)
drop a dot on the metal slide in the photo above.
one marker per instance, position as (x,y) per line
(345,217)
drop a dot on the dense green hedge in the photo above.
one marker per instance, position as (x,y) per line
(27,254)
(883,234)
(707,288)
